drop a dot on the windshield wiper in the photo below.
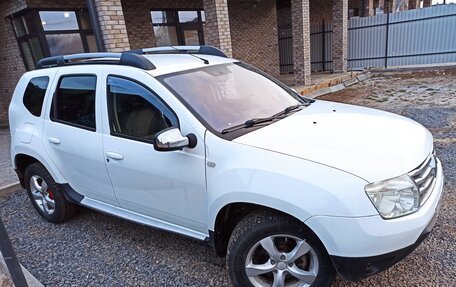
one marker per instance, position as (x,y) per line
(256,121)
(289,109)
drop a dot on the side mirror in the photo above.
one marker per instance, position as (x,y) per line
(172,139)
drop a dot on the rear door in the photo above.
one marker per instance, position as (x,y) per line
(73,132)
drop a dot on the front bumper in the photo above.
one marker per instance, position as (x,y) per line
(355,268)
(363,246)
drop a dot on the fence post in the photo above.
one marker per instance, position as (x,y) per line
(323,45)
(386,40)
(10,258)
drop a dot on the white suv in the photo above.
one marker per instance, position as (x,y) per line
(187,140)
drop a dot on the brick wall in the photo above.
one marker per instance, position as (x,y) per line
(10,57)
(254,33)
(320,10)
(252,40)
(301,41)
(413,4)
(112,25)
(217,30)
(139,22)
(340,35)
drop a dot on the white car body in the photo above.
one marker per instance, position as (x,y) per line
(313,165)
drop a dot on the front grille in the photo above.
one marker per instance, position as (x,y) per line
(424,177)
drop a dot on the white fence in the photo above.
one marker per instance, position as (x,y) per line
(420,36)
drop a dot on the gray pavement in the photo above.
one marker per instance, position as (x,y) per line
(8,179)
(7,174)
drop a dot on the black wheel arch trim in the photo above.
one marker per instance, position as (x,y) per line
(70,194)
(20,176)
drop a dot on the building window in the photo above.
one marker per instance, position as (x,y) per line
(178,27)
(51,33)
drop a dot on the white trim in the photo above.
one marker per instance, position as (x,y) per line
(142,219)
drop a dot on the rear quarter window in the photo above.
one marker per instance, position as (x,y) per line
(34,95)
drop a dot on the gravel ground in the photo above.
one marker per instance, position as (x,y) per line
(7,174)
(95,249)
(428,97)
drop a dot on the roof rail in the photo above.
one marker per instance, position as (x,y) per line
(125,59)
(203,49)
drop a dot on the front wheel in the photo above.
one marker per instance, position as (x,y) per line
(271,249)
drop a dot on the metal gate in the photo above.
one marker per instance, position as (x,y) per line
(285,49)
(320,48)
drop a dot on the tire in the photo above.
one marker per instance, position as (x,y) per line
(46,195)
(281,235)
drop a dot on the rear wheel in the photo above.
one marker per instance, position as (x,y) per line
(271,249)
(46,195)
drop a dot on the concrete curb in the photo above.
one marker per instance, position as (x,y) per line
(5,279)
(338,87)
(318,93)
(10,187)
(351,82)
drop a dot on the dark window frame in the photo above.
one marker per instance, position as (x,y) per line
(44,96)
(180,27)
(109,107)
(41,33)
(53,111)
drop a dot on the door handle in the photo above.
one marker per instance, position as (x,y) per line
(54,140)
(114,155)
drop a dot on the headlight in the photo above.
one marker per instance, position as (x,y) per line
(394,197)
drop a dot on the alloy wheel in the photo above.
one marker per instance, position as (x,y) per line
(282,261)
(42,194)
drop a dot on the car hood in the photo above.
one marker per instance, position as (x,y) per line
(368,143)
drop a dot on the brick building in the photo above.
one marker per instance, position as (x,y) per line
(244,29)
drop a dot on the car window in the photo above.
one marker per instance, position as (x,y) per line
(34,95)
(228,95)
(134,111)
(74,101)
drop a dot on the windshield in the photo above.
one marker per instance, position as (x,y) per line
(228,95)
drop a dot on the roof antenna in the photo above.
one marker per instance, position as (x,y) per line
(172,47)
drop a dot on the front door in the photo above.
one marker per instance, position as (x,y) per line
(168,186)
(73,135)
